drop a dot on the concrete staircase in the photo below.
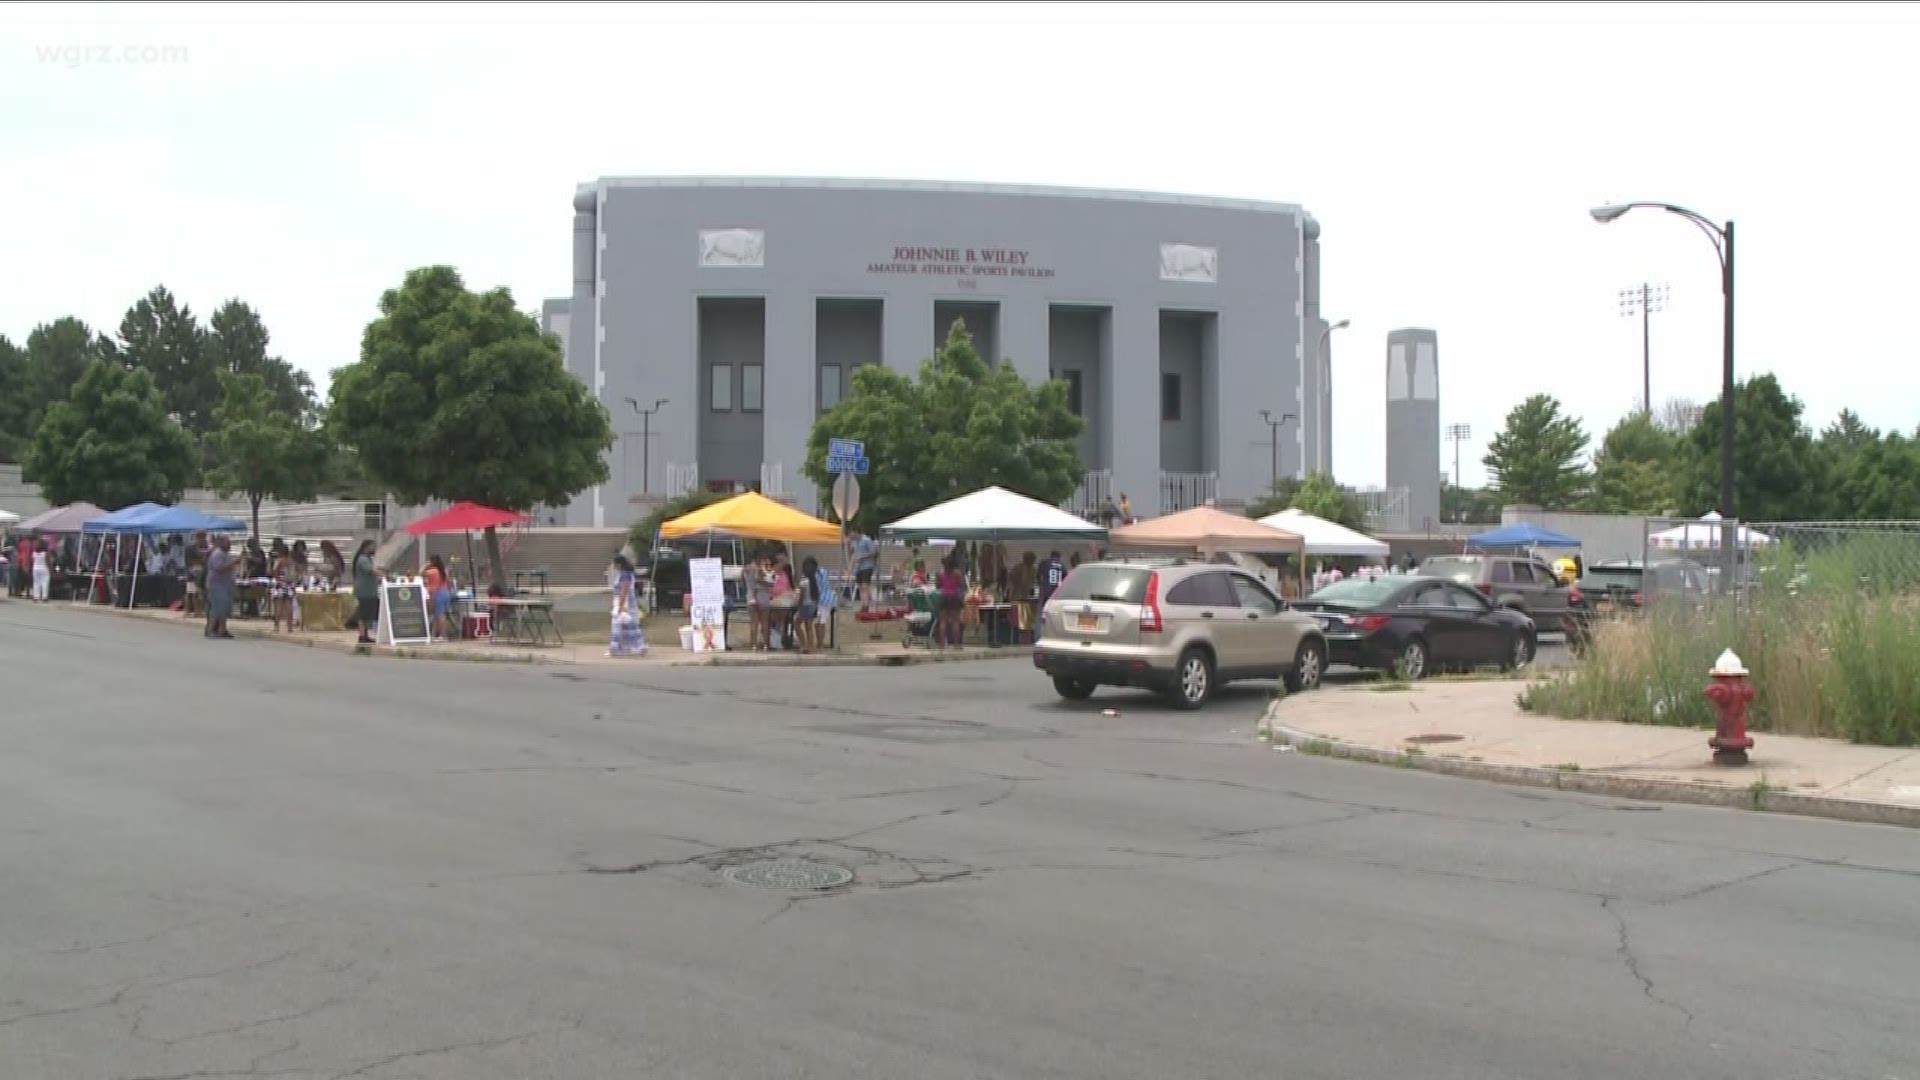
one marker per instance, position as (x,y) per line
(576,558)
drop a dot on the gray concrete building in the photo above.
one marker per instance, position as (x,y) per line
(1413,429)
(746,304)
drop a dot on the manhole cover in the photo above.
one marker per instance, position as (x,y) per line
(789,875)
(1433,738)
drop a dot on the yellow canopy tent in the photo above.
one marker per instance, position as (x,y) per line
(752,516)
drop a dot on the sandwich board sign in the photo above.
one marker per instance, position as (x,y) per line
(403,613)
(708,606)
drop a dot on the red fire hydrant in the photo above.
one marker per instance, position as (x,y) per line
(1730,693)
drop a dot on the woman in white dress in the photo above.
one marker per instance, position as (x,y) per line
(42,573)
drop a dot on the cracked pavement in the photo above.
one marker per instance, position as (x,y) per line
(236,859)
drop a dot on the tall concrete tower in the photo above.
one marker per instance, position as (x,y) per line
(1413,425)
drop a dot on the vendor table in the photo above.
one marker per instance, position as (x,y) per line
(524,622)
(325,610)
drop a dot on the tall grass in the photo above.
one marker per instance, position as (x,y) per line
(1831,635)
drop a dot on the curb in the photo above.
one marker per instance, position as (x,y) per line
(1755,797)
(346,648)
(903,660)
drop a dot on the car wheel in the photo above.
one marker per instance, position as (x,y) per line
(1519,652)
(1193,680)
(1308,666)
(1072,689)
(1413,660)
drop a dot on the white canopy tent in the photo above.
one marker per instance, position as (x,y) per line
(1705,535)
(993,513)
(1325,537)
(7,518)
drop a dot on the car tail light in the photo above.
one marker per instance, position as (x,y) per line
(1486,587)
(1150,621)
(1370,623)
(1575,596)
(1639,599)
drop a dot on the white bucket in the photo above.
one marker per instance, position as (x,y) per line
(686,638)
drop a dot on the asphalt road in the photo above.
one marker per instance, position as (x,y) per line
(238,859)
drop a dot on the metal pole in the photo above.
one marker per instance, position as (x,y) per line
(646,447)
(1646,347)
(1273,440)
(1729,531)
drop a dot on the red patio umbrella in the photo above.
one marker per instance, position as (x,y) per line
(466,517)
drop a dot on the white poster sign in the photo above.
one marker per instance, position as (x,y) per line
(708,606)
(403,613)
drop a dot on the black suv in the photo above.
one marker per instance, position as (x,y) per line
(1613,588)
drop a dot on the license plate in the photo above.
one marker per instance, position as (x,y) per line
(1087,623)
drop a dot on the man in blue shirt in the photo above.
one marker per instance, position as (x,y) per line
(866,555)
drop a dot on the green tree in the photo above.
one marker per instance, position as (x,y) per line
(236,344)
(262,450)
(1879,481)
(111,443)
(162,336)
(1633,471)
(1324,499)
(458,395)
(55,357)
(1777,475)
(16,400)
(641,535)
(1461,504)
(1538,459)
(963,425)
(1278,497)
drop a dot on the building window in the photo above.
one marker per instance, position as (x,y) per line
(830,386)
(750,389)
(1169,396)
(720,392)
(1072,378)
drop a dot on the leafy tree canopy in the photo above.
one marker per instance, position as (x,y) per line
(1278,497)
(263,450)
(236,344)
(1538,458)
(1776,474)
(458,395)
(15,401)
(1633,470)
(1326,500)
(111,443)
(160,335)
(1468,504)
(962,425)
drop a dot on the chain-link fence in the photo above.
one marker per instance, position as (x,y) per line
(1752,561)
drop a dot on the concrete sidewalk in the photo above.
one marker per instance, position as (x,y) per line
(659,653)
(1476,728)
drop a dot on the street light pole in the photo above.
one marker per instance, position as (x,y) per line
(1722,238)
(1645,300)
(646,442)
(1459,433)
(1323,408)
(1273,440)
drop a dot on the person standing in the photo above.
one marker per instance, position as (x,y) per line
(440,596)
(951,587)
(42,573)
(366,591)
(806,619)
(1126,509)
(866,558)
(221,567)
(1109,513)
(1052,573)
(628,638)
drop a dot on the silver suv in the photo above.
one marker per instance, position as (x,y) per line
(1178,627)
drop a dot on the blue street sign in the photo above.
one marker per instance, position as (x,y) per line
(845,448)
(843,463)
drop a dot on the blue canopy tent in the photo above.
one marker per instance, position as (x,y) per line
(1521,535)
(142,520)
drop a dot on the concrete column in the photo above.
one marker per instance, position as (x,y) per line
(1132,391)
(907,332)
(1023,336)
(789,378)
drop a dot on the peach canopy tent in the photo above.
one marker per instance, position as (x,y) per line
(1209,531)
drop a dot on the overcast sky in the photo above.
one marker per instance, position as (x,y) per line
(304,157)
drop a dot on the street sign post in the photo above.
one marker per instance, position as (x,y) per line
(846,497)
(846,448)
(846,458)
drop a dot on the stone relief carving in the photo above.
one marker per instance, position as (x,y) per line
(733,247)
(1189,262)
